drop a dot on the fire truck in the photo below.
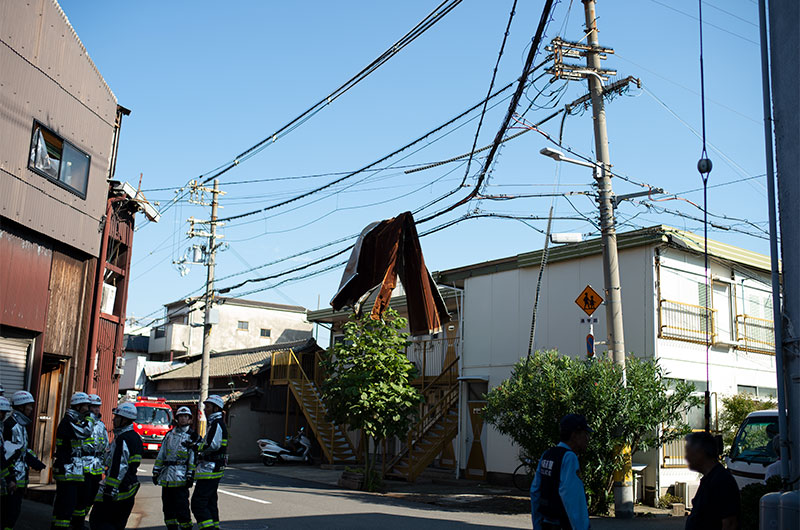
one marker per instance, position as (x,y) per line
(153,421)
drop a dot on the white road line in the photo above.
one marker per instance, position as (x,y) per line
(243,497)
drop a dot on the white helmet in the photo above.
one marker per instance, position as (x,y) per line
(5,405)
(94,399)
(21,397)
(126,410)
(79,398)
(215,400)
(184,410)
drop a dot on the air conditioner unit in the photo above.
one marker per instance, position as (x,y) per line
(107,299)
(119,366)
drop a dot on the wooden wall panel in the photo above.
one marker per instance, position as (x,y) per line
(67,310)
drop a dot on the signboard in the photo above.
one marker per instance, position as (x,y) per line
(589,300)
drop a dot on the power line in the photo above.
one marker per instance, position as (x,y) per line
(429,21)
(489,92)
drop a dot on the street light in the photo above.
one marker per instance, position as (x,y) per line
(558,156)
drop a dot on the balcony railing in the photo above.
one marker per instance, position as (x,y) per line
(755,334)
(431,357)
(686,322)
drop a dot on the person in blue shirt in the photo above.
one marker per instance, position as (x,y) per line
(558,499)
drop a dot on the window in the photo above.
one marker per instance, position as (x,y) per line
(243,326)
(753,443)
(153,416)
(747,389)
(723,305)
(266,332)
(58,160)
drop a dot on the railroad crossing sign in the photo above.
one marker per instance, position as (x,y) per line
(589,300)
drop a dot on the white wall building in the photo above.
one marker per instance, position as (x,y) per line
(663,293)
(242,324)
(663,289)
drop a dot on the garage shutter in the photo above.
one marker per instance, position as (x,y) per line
(13,363)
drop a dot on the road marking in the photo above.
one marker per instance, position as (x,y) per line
(243,497)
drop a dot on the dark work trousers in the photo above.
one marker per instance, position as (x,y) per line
(10,508)
(108,514)
(204,503)
(67,494)
(86,494)
(175,503)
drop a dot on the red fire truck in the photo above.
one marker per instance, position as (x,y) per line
(153,421)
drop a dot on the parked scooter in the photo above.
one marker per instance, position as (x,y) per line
(296,449)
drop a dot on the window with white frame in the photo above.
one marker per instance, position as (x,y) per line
(724,314)
(58,160)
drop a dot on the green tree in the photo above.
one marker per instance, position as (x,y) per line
(368,385)
(527,406)
(734,411)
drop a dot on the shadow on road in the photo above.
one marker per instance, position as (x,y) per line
(371,521)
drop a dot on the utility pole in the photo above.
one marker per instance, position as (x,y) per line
(623,479)
(211,252)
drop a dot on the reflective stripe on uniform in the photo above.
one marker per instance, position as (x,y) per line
(206,524)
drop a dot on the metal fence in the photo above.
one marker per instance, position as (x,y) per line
(755,334)
(685,322)
(432,356)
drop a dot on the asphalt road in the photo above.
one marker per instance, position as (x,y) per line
(257,500)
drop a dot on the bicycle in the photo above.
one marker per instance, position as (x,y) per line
(523,475)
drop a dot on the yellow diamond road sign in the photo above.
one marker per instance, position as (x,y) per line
(589,300)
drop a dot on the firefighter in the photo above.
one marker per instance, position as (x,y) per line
(117,492)
(211,462)
(19,457)
(94,449)
(174,471)
(5,408)
(71,434)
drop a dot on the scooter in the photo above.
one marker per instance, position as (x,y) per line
(296,449)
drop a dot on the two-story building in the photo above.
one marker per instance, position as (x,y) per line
(663,294)
(66,228)
(240,324)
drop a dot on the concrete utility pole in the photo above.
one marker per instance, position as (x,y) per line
(208,299)
(623,480)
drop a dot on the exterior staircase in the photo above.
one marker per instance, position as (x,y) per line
(335,444)
(436,427)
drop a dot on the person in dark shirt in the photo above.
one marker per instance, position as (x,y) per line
(716,505)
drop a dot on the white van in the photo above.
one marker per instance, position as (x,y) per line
(752,451)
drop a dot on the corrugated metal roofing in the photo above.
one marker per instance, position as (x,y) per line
(235,362)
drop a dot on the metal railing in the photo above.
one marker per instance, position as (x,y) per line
(441,395)
(673,453)
(431,356)
(755,334)
(686,322)
(286,369)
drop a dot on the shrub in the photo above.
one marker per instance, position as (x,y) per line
(541,390)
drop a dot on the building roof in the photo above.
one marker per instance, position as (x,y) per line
(244,303)
(655,235)
(236,362)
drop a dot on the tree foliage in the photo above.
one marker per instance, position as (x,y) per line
(544,388)
(734,411)
(368,387)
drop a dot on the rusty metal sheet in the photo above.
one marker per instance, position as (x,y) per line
(24,279)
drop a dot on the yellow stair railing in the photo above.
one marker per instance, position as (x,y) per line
(436,426)
(335,444)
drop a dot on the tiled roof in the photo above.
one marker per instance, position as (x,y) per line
(236,362)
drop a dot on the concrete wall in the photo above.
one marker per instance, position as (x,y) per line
(284,326)
(245,426)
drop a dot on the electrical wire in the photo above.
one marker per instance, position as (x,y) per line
(489,92)
(429,21)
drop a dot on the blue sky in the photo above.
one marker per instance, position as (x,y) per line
(205,80)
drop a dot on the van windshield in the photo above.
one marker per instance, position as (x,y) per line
(753,443)
(153,416)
